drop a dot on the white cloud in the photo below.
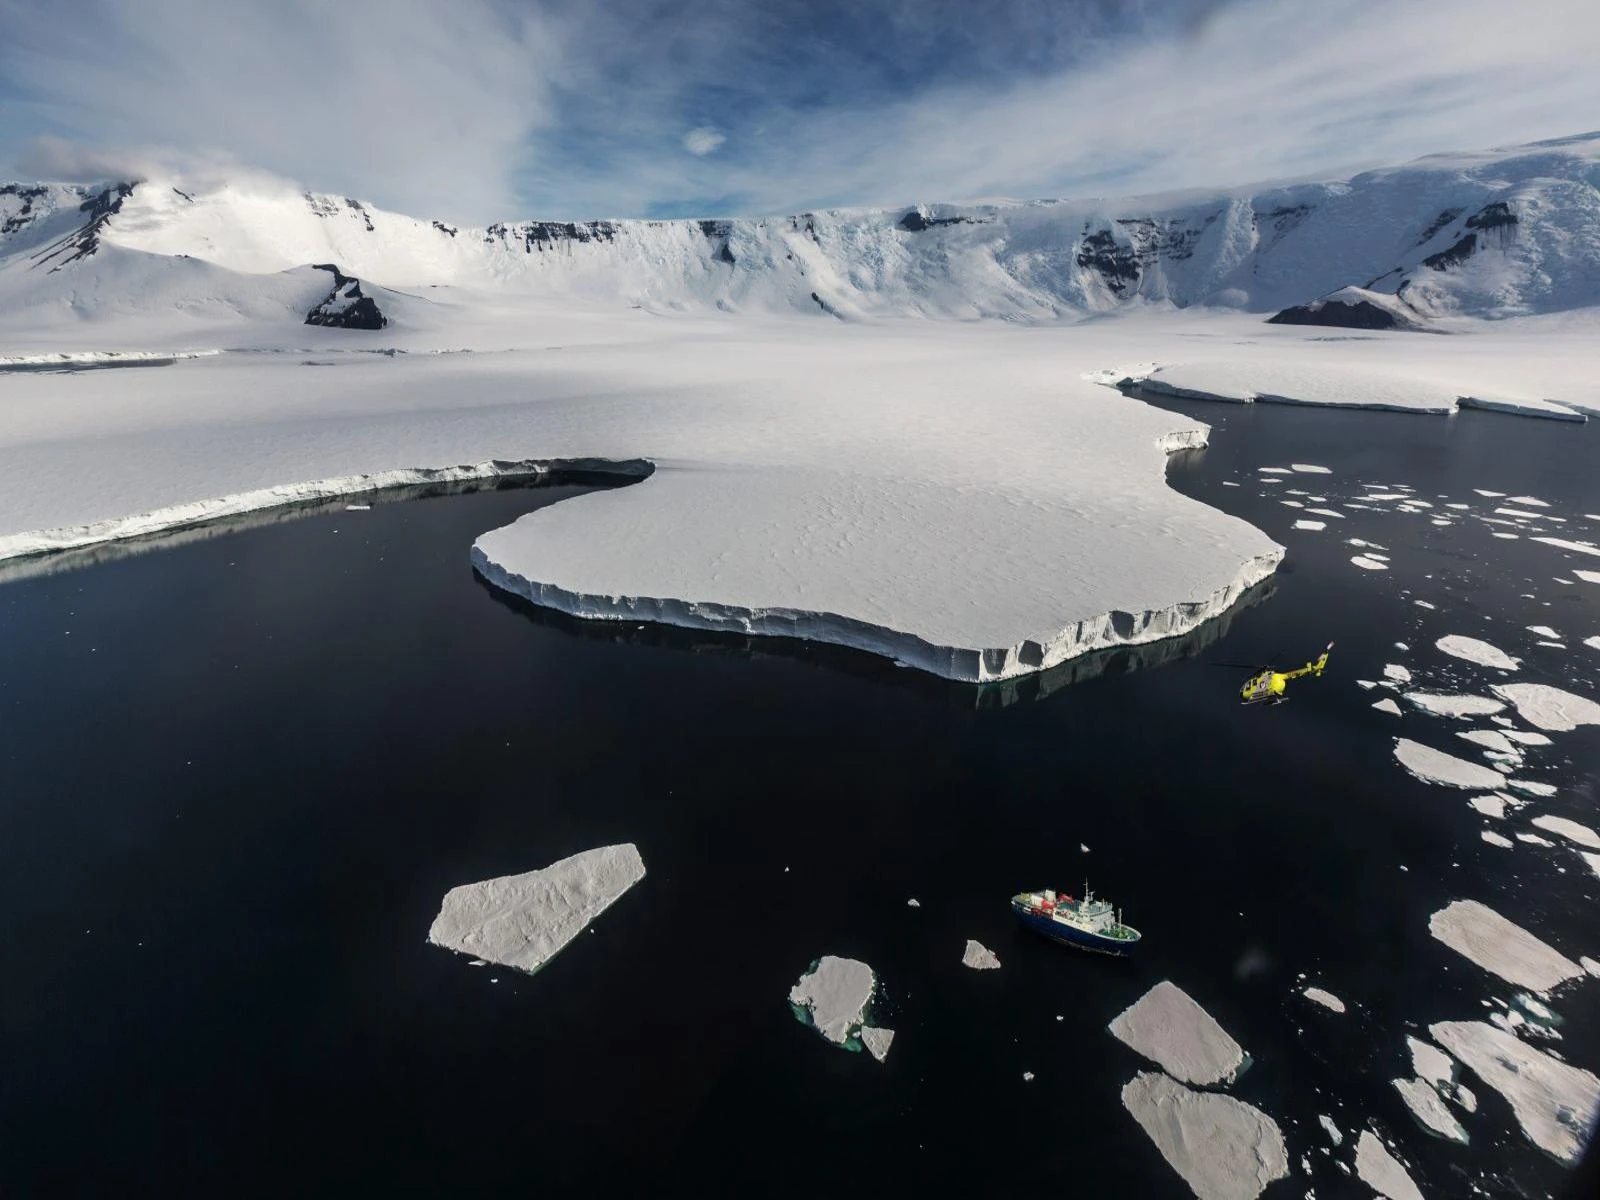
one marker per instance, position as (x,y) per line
(702,141)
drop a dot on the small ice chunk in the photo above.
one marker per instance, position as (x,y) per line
(1311,525)
(1275,470)
(1429,1110)
(1533,839)
(1529,501)
(1310,469)
(1548,707)
(1326,999)
(1492,495)
(1518,513)
(1367,563)
(1495,839)
(876,1041)
(1169,1028)
(1592,642)
(1331,1130)
(1027,1077)
(1527,737)
(913,903)
(1553,645)
(1587,576)
(1492,805)
(358,508)
(1571,830)
(1326,512)
(1510,537)
(979,957)
(1401,646)
(1592,859)
(1397,673)
(1366,684)
(1382,1171)
(1543,631)
(1554,1103)
(1430,1063)
(523,921)
(1500,947)
(832,996)
(1589,964)
(1435,766)
(1223,1148)
(1291,503)
(1443,704)
(1575,547)
(1476,651)
(1388,705)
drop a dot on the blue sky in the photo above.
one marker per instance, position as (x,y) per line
(480,110)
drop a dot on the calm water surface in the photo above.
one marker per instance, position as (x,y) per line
(240,773)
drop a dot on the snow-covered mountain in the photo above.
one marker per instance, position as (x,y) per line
(1499,233)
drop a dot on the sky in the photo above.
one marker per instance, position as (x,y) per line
(481,110)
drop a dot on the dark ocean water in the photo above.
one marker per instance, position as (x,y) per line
(241,772)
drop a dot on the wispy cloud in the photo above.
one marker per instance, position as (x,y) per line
(486,108)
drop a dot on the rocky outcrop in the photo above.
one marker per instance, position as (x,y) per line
(1350,308)
(346,307)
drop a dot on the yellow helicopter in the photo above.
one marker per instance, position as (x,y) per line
(1268,686)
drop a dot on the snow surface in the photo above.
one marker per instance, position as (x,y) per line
(523,921)
(1223,1148)
(1477,651)
(1169,1028)
(1381,1171)
(1500,947)
(1438,704)
(1571,830)
(979,957)
(1549,708)
(1324,998)
(1435,766)
(1555,1103)
(1429,1110)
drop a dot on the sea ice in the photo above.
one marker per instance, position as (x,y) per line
(979,957)
(1331,1130)
(1431,1063)
(1397,673)
(1313,525)
(1491,805)
(1429,1110)
(1440,704)
(1575,547)
(1543,631)
(1527,737)
(1530,501)
(1554,1102)
(1482,492)
(1382,1171)
(1493,739)
(1594,862)
(1571,830)
(1435,766)
(1311,469)
(876,1041)
(1495,839)
(1548,707)
(1518,513)
(1326,999)
(1223,1148)
(1367,563)
(913,903)
(1388,705)
(832,996)
(1589,964)
(1275,470)
(1531,787)
(1500,947)
(1476,651)
(1326,512)
(1592,642)
(523,921)
(1587,576)
(1169,1028)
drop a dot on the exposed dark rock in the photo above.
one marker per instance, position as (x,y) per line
(1439,222)
(443,228)
(346,307)
(1362,314)
(24,214)
(1117,264)
(915,222)
(1283,219)
(184,194)
(724,254)
(1456,254)
(356,206)
(1493,216)
(715,229)
(539,235)
(83,242)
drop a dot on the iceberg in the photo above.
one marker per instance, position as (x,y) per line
(1382,1171)
(1478,933)
(979,957)
(523,921)
(1435,766)
(1169,1028)
(1496,839)
(1554,1102)
(1311,525)
(1571,830)
(833,997)
(1438,704)
(1549,708)
(1387,705)
(1223,1148)
(1397,673)
(1491,739)
(1326,999)
(1429,1110)
(1492,805)
(1476,651)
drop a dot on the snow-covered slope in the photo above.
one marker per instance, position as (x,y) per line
(1498,233)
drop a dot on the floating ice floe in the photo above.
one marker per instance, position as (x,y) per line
(1495,839)
(1435,766)
(1492,805)
(1324,998)
(1554,1102)
(1382,1171)
(1491,495)
(1575,547)
(1531,787)
(913,903)
(1311,469)
(1275,470)
(1388,705)
(1571,830)
(1315,525)
(1429,1110)
(1401,646)
(1517,512)
(1430,1063)
(1476,651)
(1593,860)
(1531,501)
(523,921)
(1425,604)
(1588,576)
(1589,964)
(1592,642)
(979,957)
(1169,1028)
(1527,737)
(1548,707)
(1491,739)
(833,997)
(1478,933)
(1223,1148)
(1543,631)
(1367,563)
(1533,839)
(1326,512)
(1397,673)
(1442,704)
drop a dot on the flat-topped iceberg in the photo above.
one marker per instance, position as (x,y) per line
(1501,947)
(523,921)
(1554,1102)
(834,997)
(1325,998)
(979,957)
(1435,766)
(1382,1171)
(1223,1148)
(1549,708)
(1169,1028)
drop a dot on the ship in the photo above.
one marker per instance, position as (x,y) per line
(1089,924)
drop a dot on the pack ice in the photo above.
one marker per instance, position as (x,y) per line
(523,921)
(1223,1148)
(1169,1028)
(1501,947)
(833,997)
(1548,707)
(1435,766)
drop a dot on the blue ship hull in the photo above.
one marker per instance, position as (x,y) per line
(1082,939)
